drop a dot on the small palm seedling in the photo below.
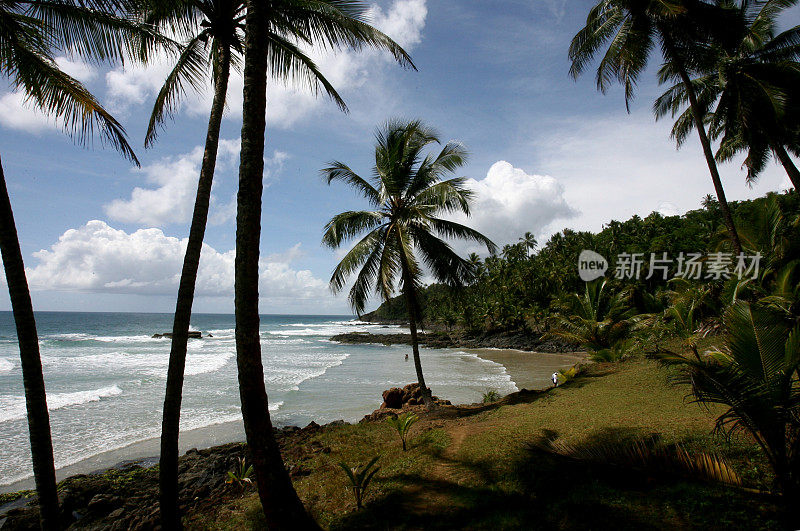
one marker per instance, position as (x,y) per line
(360,478)
(403,424)
(564,376)
(241,475)
(490,396)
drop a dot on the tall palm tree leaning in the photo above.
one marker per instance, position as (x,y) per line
(633,28)
(409,196)
(339,22)
(752,75)
(30,35)
(214,36)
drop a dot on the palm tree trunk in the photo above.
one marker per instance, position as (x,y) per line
(44,470)
(789,166)
(282,507)
(170,425)
(411,304)
(697,114)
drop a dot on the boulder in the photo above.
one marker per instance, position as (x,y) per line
(410,395)
(393,398)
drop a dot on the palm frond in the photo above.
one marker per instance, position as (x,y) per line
(191,69)
(349,224)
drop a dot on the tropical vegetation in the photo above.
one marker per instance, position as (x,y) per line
(754,376)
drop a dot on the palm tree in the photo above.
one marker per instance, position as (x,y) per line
(751,77)
(755,376)
(530,241)
(333,21)
(214,36)
(409,195)
(598,319)
(30,32)
(633,28)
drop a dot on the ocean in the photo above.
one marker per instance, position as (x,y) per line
(105,378)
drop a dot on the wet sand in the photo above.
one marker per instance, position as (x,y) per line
(530,370)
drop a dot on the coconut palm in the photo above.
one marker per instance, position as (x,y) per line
(756,377)
(214,36)
(30,35)
(409,196)
(323,21)
(632,28)
(748,89)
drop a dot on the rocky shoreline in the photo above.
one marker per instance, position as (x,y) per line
(126,496)
(501,340)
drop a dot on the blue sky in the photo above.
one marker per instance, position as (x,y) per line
(546,153)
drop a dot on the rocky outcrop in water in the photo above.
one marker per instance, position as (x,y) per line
(168,335)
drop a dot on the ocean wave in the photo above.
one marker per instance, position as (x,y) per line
(329,328)
(6,365)
(13,407)
(143,363)
(289,373)
(206,363)
(77,337)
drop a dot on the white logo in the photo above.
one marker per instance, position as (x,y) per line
(591,266)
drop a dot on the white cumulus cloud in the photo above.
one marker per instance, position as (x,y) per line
(97,258)
(174,187)
(509,202)
(17,113)
(347,70)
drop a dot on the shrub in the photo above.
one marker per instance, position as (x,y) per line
(490,396)
(241,475)
(403,424)
(360,478)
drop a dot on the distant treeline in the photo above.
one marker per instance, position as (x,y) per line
(516,288)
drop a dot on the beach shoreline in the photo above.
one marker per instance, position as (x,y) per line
(528,370)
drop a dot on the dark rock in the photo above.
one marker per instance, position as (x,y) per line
(104,503)
(193,334)
(312,427)
(393,398)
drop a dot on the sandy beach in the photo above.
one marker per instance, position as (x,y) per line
(530,370)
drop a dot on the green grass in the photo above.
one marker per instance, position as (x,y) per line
(476,472)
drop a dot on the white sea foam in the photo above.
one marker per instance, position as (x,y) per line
(326,329)
(143,363)
(289,373)
(13,407)
(202,364)
(6,365)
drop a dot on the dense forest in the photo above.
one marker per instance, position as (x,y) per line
(524,286)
